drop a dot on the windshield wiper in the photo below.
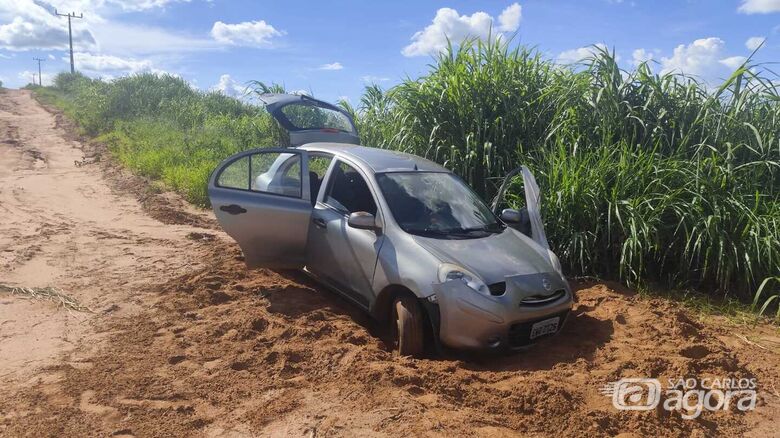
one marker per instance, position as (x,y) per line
(435,232)
(490,228)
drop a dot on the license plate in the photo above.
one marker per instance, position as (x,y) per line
(545,327)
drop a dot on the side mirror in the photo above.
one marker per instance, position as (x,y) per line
(510,216)
(362,221)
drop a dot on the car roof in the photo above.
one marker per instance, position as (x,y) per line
(379,160)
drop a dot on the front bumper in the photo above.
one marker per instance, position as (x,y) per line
(471,320)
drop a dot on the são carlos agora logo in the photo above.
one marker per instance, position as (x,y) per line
(688,396)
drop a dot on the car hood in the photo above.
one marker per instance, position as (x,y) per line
(493,257)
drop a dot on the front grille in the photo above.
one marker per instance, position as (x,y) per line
(520,333)
(497,289)
(540,300)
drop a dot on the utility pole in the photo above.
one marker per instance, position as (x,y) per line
(40,76)
(70,35)
(33,82)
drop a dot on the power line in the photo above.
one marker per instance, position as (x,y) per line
(70,35)
(40,76)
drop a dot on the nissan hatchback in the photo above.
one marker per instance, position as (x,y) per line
(400,236)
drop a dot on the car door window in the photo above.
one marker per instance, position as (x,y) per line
(348,191)
(236,175)
(265,172)
(318,166)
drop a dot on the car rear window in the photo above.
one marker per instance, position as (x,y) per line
(313,117)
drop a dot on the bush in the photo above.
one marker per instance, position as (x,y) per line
(644,176)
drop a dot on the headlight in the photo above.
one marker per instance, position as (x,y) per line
(449,271)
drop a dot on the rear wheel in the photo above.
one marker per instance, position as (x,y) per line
(408,324)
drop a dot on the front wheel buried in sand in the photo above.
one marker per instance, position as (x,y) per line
(408,327)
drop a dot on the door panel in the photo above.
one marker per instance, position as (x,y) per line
(261,199)
(343,255)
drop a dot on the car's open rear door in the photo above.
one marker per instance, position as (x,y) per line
(308,120)
(261,199)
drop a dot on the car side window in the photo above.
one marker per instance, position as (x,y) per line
(348,190)
(265,172)
(318,166)
(235,175)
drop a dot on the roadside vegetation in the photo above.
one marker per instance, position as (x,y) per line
(646,177)
(161,127)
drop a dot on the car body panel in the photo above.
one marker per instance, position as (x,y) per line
(492,256)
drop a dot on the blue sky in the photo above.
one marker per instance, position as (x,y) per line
(334,48)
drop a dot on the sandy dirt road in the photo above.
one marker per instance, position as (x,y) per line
(183,341)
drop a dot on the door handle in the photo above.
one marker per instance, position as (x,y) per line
(319,222)
(233,209)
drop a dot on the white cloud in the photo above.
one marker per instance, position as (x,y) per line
(698,58)
(109,63)
(759,6)
(733,62)
(31,25)
(229,87)
(370,79)
(639,56)
(248,33)
(755,42)
(509,20)
(26,77)
(582,53)
(448,24)
(134,40)
(332,66)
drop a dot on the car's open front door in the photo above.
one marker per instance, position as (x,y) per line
(531,223)
(261,199)
(308,120)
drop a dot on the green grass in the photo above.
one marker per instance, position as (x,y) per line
(162,128)
(646,177)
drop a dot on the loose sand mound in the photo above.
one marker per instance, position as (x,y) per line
(226,351)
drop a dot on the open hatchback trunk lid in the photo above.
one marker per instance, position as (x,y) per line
(309,120)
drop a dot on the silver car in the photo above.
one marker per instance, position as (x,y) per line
(400,236)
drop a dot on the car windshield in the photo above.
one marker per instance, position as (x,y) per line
(436,204)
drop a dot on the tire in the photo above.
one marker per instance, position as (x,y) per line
(408,324)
